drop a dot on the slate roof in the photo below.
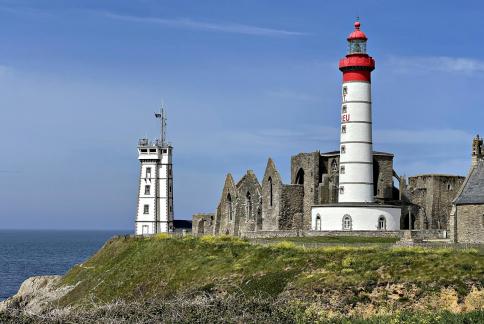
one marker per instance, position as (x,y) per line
(473,189)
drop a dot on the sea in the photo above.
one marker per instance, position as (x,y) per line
(27,253)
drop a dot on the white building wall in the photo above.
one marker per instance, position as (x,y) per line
(364,218)
(160,198)
(356,148)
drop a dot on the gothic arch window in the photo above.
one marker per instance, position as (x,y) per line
(300,176)
(248,206)
(347,223)
(334,166)
(318,222)
(382,223)
(230,209)
(270,191)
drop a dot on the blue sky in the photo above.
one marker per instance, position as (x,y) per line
(242,81)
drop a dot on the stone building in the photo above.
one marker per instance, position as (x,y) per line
(250,206)
(467,217)
(429,198)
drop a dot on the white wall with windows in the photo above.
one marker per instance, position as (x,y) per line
(358,218)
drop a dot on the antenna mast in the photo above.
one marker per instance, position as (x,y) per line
(162,117)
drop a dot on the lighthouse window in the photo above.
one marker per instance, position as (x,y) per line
(345,91)
(147,190)
(342,170)
(144,150)
(341,190)
(152,150)
(343,129)
(148,172)
(345,110)
(343,149)
(146,209)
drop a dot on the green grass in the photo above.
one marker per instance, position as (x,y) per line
(136,268)
(337,239)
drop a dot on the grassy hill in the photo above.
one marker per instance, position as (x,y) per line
(281,280)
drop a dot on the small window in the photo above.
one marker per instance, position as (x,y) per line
(344,110)
(341,190)
(147,190)
(345,91)
(148,172)
(144,151)
(342,170)
(318,222)
(146,209)
(449,187)
(347,223)
(343,129)
(382,223)
(170,188)
(164,150)
(343,149)
(152,150)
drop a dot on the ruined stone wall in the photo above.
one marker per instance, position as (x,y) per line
(249,211)
(309,164)
(203,223)
(271,208)
(292,202)
(224,224)
(469,223)
(433,194)
(383,176)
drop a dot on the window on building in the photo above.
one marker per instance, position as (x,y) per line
(146,209)
(148,172)
(341,190)
(171,189)
(270,191)
(344,110)
(345,91)
(347,223)
(145,229)
(343,129)
(164,150)
(342,170)
(152,150)
(318,222)
(229,207)
(382,223)
(147,190)
(248,206)
(343,149)
(334,166)
(449,187)
(144,151)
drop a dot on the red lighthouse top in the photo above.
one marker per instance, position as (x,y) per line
(357,33)
(357,65)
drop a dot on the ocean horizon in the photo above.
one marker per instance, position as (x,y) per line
(27,253)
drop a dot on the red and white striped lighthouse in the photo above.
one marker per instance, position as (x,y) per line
(356,147)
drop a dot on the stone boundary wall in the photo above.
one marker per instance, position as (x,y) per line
(275,234)
(429,234)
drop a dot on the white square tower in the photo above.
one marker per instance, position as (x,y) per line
(155,194)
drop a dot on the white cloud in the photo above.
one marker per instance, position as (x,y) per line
(404,64)
(205,26)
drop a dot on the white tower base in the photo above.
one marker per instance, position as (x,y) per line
(355,217)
